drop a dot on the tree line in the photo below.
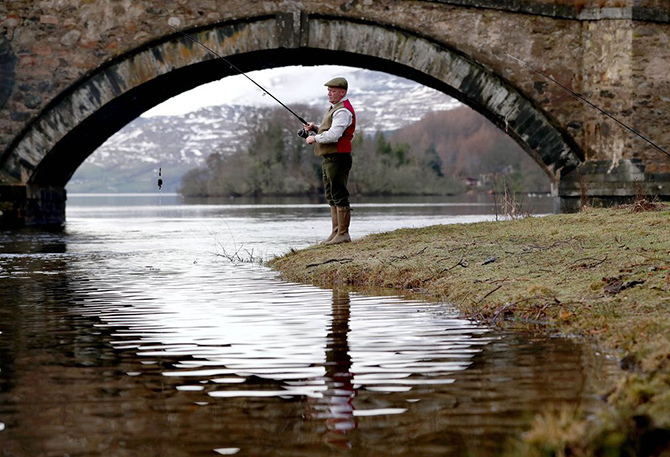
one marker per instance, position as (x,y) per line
(434,156)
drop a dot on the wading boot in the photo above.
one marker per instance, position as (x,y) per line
(333,218)
(343,219)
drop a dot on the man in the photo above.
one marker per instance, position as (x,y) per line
(333,143)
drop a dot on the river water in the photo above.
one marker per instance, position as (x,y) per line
(131,333)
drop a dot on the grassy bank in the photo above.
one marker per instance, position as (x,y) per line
(603,274)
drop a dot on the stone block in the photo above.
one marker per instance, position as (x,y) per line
(11,21)
(32,101)
(19,116)
(70,38)
(48,19)
(42,49)
(26,61)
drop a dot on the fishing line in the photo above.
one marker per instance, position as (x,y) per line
(580,97)
(232,66)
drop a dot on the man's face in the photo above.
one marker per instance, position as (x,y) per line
(335,94)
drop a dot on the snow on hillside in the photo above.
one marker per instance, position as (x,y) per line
(182,141)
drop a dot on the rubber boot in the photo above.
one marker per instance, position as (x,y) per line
(343,219)
(333,218)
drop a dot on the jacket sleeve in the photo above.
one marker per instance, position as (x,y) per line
(342,119)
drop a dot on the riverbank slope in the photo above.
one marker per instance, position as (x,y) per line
(602,274)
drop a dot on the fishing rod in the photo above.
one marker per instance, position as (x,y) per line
(580,97)
(232,66)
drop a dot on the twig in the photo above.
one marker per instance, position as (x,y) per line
(458,248)
(529,249)
(493,281)
(539,313)
(421,251)
(500,310)
(329,261)
(592,265)
(235,257)
(508,305)
(398,257)
(405,257)
(482,299)
(463,263)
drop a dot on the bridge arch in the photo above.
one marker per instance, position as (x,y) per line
(74,124)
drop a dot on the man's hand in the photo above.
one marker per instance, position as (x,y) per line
(311,126)
(310,139)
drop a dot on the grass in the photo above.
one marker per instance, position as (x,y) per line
(602,274)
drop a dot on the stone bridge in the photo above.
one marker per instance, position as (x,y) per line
(73,72)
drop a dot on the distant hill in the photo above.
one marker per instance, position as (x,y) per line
(130,159)
(473,149)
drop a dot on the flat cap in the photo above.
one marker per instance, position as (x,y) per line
(338,82)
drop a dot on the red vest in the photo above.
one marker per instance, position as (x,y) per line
(344,143)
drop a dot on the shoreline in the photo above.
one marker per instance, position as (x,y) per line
(602,275)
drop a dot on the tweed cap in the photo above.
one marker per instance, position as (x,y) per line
(338,82)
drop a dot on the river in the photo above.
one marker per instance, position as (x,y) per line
(131,332)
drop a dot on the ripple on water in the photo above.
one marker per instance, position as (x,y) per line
(344,356)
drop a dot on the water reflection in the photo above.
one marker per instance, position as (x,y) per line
(126,336)
(340,393)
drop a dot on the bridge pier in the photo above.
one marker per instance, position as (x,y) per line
(24,205)
(603,183)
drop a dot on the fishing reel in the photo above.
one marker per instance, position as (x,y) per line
(302,133)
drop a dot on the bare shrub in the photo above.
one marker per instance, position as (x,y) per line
(583,192)
(642,201)
(235,254)
(506,202)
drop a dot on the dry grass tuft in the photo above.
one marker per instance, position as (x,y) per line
(554,433)
(642,205)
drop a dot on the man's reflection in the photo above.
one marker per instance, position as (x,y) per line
(339,396)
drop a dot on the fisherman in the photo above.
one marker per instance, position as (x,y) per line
(333,143)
